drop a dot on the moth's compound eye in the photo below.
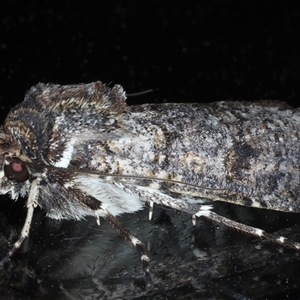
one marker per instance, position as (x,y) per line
(16,171)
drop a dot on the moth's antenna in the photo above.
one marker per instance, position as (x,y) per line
(139,93)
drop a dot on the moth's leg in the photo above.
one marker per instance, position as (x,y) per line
(248,229)
(194,220)
(32,203)
(169,201)
(113,221)
(151,204)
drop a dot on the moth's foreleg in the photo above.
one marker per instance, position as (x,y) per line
(151,205)
(113,221)
(248,229)
(31,204)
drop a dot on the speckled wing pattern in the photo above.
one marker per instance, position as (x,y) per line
(79,150)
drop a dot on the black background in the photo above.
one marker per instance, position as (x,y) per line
(189,51)
(192,51)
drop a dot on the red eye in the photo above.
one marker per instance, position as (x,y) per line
(16,170)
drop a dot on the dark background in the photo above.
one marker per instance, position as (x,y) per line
(192,51)
(189,51)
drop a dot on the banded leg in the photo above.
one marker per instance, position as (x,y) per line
(31,205)
(151,204)
(113,221)
(248,229)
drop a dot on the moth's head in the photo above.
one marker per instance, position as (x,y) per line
(14,174)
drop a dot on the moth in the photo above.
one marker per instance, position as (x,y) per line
(79,150)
